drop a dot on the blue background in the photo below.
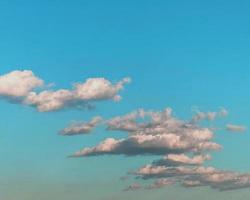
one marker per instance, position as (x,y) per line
(179,54)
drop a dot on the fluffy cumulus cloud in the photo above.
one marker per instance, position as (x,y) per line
(18,84)
(235,128)
(93,89)
(81,127)
(22,85)
(184,148)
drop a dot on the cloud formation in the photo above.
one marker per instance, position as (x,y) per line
(197,176)
(21,86)
(159,134)
(81,127)
(183,145)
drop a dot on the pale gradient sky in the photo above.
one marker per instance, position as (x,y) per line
(179,54)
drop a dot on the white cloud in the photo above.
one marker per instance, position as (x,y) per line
(152,171)
(182,159)
(49,100)
(93,89)
(149,144)
(98,89)
(18,83)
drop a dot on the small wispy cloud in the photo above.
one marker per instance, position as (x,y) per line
(235,128)
(210,116)
(81,127)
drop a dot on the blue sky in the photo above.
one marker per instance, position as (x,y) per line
(179,54)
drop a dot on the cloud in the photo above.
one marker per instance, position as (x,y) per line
(18,84)
(235,128)
(154,171)
(126,122)
(21,86)
(129,122)
(182,159)
(149,145)
(98,89)
(93,89)
(149,122)
(81,127)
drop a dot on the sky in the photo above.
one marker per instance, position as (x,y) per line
(71,72)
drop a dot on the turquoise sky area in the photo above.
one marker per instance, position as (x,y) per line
(186,55)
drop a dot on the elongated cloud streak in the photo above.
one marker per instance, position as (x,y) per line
(182,159)
(149,144)
(81,127)
(235,128)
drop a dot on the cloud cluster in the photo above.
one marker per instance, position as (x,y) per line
(194,176)
(21,86)
(159,134)
(183,145)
